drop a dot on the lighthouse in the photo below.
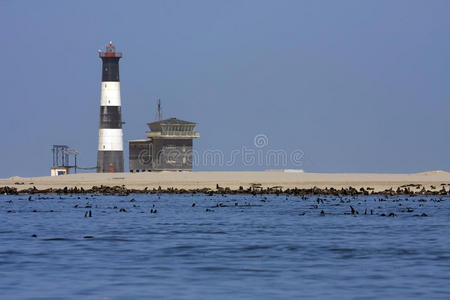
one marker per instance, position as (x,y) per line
(110,136)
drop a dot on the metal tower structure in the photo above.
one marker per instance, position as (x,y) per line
(61,156)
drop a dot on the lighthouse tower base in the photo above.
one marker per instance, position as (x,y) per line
(109,161)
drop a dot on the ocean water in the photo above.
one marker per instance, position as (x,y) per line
(250,247)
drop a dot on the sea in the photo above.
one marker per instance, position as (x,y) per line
(196,246)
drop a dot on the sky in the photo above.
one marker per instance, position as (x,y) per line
(353,86)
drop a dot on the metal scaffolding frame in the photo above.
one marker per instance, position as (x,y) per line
(61,156)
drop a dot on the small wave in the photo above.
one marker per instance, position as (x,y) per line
(257,247)
(342,249)
(213,269)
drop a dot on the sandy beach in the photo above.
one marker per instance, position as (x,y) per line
(233,180)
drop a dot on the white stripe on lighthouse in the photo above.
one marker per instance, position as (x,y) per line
(110,139)
(110,94)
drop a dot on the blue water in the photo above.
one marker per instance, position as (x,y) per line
(267,247)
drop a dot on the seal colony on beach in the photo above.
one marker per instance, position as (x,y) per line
(123,191)
(434,182)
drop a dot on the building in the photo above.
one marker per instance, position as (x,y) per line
(110,136)
(58,171)
(168,147)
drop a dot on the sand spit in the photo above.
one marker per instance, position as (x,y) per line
(435,182)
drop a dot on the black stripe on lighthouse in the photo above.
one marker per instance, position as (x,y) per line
(110,69)
(109,161)
(110,117)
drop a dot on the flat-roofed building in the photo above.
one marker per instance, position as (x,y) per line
(168,147)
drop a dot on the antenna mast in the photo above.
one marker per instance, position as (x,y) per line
(159,110)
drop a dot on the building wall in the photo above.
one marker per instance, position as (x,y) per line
(172,154)
(160,155)
(140,153)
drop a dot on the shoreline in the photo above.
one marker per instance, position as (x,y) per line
(432,183)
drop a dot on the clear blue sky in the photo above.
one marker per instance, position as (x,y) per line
(358,86)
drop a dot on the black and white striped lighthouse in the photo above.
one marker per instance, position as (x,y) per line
(110,136)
